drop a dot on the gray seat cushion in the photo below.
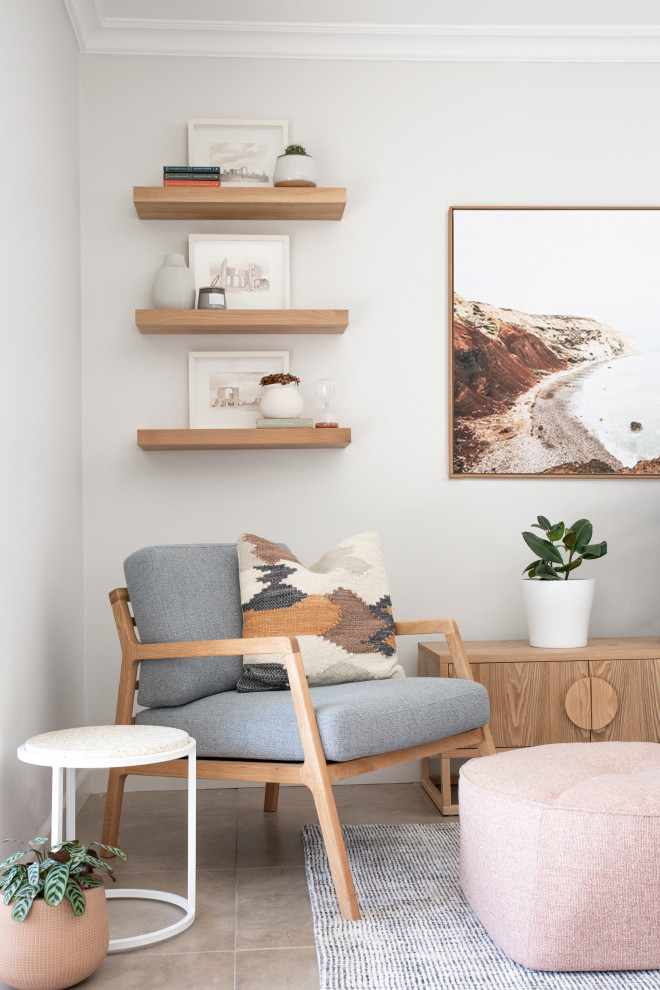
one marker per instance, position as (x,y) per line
(356,719)
(185,593)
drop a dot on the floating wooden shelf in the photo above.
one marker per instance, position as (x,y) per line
(329,439)
(238,203)
(241,320)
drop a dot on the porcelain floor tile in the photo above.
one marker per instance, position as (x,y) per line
(213,928)
(272,909)
(202,970)
(164,804)
(279,969)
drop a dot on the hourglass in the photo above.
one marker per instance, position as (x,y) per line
(326,416)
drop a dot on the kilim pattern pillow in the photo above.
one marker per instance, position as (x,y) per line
(339,609)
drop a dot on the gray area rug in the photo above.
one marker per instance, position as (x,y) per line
(417,930)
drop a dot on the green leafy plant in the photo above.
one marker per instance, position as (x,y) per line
(277,378)
(556,560)
(294,149)
(64,872)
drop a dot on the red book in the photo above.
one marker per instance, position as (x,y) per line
(191,182)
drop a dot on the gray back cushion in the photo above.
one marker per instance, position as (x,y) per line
(185,593)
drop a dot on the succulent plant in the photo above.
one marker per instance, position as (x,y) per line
(277,378)
(551,565)
(62,873)
(294,149)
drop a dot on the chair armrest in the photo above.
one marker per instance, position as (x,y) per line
(424,626)
(283,645)
(449,630)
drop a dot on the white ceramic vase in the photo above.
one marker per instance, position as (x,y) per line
(294,170)
(281,402)
(174,284)
(558,612)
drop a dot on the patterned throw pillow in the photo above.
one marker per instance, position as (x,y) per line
(339,609)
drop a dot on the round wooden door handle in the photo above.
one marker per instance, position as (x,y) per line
(591,703)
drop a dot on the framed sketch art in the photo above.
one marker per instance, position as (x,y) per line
(554,342)
(253,271)
(245,150)
(223,386)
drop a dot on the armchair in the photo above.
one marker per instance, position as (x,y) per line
(306,736)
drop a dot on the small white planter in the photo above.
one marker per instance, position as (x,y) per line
(281,402)
(294,170)
(558,612)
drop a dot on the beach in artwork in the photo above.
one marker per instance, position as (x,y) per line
(566,382)
(550,394)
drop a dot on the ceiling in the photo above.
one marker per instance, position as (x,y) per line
(417,30)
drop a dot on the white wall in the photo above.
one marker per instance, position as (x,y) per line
(42,666)
(408,141)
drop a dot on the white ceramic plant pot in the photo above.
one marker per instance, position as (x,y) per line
(558,612)
(174,284)
(281,402)
(294,170)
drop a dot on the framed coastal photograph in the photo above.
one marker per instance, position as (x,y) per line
(554,342)
(245,150)
(253,271)
(223,386)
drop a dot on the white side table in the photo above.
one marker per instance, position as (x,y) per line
(106,746)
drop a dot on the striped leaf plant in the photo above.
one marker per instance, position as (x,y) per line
(60,874)
(563,549)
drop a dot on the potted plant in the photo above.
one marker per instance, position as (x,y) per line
(281,398)
(54,929)
(557,609)
(294,168)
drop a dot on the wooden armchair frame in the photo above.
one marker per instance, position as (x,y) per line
(314,772)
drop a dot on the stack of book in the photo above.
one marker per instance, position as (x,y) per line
(284,424)
(191,175)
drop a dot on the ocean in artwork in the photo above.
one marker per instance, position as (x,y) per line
(619,402)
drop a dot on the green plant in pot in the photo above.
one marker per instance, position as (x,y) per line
(54,929)
(294,168)
(557,609)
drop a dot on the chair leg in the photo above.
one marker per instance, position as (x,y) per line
(335,848)
(271,797)
(113,802)
(487,747)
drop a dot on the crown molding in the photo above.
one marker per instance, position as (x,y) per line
(100,34)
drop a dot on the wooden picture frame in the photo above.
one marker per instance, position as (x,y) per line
(245,150)
(217,381)
(556,374)
(254,270)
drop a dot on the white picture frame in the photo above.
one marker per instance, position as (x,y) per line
(211,372)
(254,270)
(245,150)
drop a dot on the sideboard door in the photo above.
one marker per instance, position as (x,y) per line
(637,686)
(527,701)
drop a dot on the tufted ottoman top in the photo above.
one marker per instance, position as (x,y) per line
(560,853)
(607,777)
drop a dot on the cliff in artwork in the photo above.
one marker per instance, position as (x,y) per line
(500,357)
(501,353)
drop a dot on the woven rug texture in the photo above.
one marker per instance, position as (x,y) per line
(417,930)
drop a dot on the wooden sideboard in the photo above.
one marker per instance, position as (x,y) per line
(607,690)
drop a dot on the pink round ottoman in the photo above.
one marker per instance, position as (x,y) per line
(560,853)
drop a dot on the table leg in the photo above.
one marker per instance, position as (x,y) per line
(57,806)
(70,830)
(186,904)
(192,832)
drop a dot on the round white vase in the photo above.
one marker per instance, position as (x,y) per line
(558,612)
(294,170)
(281,402)
(174,284)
